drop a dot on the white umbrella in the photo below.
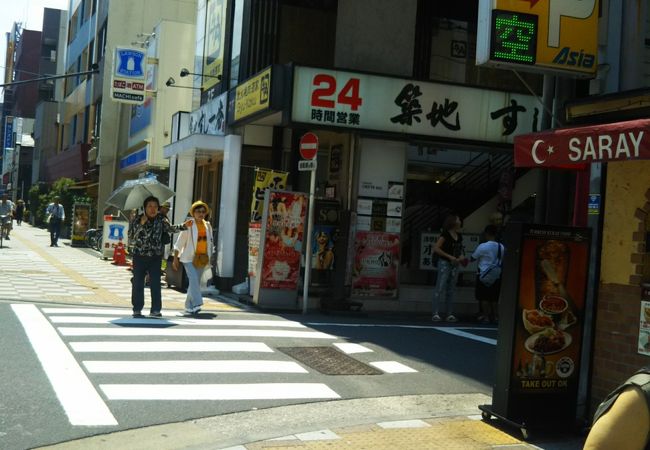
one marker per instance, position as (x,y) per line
(132,193)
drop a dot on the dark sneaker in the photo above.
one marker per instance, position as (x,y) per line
(138,315)
(451,318)
(436,318)
(155,314)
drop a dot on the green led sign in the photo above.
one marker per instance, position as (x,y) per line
(514,37)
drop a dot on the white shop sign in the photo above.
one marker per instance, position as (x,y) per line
(371,102)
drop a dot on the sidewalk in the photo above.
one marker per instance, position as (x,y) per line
(35,272)
(74,275)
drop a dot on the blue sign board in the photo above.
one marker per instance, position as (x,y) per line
(593,207)
(130,63)
(9,132)
(134,159)
(140,117)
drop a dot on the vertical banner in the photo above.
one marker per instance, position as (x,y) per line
(265,179)
(215,34)
(283,234)
(254,239)
(376,259)
(541,325)
(644,326)
(115,230)
(80,222)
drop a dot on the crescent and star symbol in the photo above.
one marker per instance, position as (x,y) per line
(533,151)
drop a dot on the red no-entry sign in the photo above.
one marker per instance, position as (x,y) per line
(308,146)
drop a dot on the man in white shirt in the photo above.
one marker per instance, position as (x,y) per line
(56,214)
(7,208)
(488,254)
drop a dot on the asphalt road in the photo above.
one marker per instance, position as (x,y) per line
(75,371)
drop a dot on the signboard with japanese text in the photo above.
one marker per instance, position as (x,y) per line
(376,261)
(372,102)
(115,231)
(253,95)
(129,75)
(555,36)
(215,35)
(265,179)
(210,118)
(428,260)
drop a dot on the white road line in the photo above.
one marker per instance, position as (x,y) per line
(352,348)
(253,391)
(132,331)
(187,321)
(81,402)
(464,334)
(167,346)
(100,311)
(189,366)
(392,367)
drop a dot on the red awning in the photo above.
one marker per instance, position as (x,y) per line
(574,148)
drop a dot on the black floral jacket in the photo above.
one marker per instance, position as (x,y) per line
(146,240)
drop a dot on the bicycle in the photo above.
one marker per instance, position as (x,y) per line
(94,237)
(5,226)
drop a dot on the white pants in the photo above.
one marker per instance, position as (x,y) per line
(194,298)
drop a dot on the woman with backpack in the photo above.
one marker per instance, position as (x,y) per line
(489,255)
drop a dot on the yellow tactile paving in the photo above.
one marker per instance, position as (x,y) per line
(447,433)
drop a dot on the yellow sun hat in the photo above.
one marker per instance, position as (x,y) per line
(197,204)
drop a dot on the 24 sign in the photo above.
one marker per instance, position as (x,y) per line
(326,88)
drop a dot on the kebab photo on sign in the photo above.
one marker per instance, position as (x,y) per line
(547,323)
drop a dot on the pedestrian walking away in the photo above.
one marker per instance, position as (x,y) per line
(55,215)
(449,249)
(20,212)
(193,248)
(146,236)
(489,255)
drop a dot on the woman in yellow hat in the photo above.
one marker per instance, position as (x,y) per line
(193,248)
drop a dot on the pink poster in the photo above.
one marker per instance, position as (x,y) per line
(283,240)
(376,258)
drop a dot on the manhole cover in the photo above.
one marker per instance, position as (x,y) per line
(329,361)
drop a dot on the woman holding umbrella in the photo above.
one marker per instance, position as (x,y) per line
(193,248)
(145,235)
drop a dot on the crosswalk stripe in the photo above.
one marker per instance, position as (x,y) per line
(252,391)
(352,348)
(184,321)
(104,331)
(392,367)
(81,402)
(167,346)
(188,366)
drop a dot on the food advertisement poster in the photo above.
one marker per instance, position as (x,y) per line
(644,329)
(80,221)
(265,179)
(550,310)
(254,238)
(283,240)
(376,259)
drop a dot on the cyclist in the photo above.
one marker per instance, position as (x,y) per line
(7,208)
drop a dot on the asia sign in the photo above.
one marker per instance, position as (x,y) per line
(129,76)
(253,95)
(556,36)
(371,102)
(215,34)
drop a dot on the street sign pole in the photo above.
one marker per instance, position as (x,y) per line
(309,151)
(310,225)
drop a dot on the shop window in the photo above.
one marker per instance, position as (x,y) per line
(641,241)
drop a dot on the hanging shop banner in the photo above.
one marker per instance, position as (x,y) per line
(128,77)
(253,95)
(574,148)
(265,179)
(215,34)
(80,222)
(544,288)
(554,36)
(283,234)
(376,260)
(403,106)
(210,118)
(115,230)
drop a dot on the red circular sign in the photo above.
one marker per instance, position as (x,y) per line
(308,146)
